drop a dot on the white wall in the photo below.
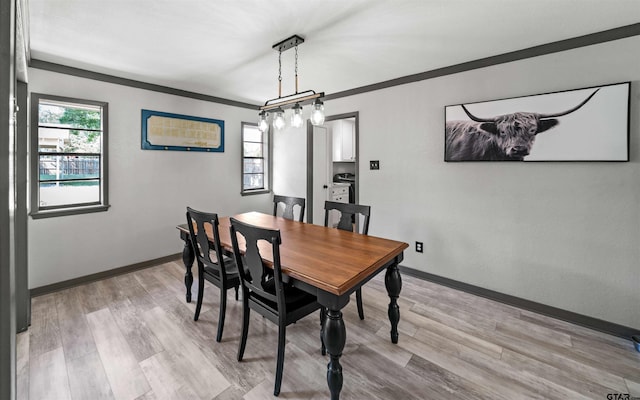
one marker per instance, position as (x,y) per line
(562,234)
(290,161)
(148,190)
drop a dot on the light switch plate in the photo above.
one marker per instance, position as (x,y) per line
(374,164)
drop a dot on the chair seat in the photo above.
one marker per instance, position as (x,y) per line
(293,297)
(229,266)
(297,302)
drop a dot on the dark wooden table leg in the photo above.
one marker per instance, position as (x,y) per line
(393,282)
(187,259)
(335,336)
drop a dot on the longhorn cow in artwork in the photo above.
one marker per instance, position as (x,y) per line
(506,137)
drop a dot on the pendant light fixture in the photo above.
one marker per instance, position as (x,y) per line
(295,101)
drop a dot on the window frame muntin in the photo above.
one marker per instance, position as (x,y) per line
(37,211)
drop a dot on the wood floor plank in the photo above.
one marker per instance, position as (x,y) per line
(231,393)
(48,379)
(300,377)
(182,315)
(378,341)
(536,385)
(461,321)
(87,378)
(147,280)
(561,357)
(547,352)
(91,297)
(375,295)
(625,363)
(148,396)
(44,331)
(557,375)
(22,366)
(169,281)
(173,285)
(575,330)
(377,308)
(383,380)
(430,293)
(136,294)
(76,337)
(447,358)
(166,384)
(111,291)
(633,387)
(140,342)
(189,362)
(245,375)
(467,339)
(443,383)
(120,364)
(535,331)
(176,268)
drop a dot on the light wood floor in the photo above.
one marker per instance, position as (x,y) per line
(133,337)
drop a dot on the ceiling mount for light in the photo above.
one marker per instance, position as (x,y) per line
(295,100)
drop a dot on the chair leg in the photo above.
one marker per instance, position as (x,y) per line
(245,325)
(200,295)
(282,333)
(359,303)
(323,316)
(223,309)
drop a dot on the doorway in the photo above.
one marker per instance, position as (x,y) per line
(332,163)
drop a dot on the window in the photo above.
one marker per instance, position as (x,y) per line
(68,156)
(255,159)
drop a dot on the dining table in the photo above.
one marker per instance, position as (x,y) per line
(325,262)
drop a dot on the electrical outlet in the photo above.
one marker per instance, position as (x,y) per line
(419,247)
(374,164)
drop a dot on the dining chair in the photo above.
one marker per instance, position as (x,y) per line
(220,270)
(263,290)
(289,203)
(347,212)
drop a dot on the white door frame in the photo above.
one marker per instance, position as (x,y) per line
(310,182)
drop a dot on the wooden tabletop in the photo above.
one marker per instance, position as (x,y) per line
(329,259)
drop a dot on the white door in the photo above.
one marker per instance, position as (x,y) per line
(322,175)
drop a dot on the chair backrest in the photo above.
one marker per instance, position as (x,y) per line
(347,211)
(255,275)
(198,222)
(289,202)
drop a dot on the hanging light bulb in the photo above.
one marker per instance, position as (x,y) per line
(296,117)
(277,105)
(278,120)
(263,124)
(317,113)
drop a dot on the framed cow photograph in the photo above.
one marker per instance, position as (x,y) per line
(589,124)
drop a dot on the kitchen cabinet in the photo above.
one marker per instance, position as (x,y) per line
(339,194)
(344,141)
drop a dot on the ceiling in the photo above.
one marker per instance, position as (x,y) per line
(223,48)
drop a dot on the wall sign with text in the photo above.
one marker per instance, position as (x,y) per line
(166,131)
